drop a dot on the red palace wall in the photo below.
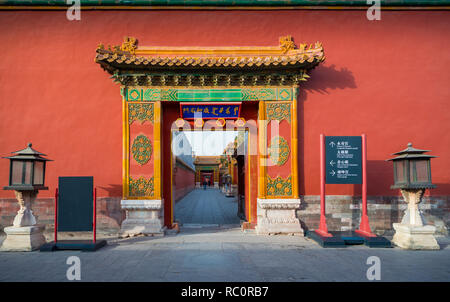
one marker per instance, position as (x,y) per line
(183,181)
(387,79)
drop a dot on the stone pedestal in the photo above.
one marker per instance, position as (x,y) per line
(25,216)
(216,185)
(411,233)
(23,239)
(144,216)
(229,193)
(24,235)
(415,237)
(197,185)
(278,216)
(234,189)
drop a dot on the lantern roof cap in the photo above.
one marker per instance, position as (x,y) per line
(411,149)
(28,153)
(411,152)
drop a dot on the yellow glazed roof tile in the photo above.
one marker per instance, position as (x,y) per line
(286,53)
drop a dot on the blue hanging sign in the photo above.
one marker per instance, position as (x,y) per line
(210,111)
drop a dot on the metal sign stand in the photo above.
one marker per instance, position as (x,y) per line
(364,226)
(340,238)
(323,229)
(84,245)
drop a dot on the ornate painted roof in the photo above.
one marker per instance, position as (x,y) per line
(221,63)
(285,54)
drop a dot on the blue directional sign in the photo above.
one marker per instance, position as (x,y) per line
(343,160)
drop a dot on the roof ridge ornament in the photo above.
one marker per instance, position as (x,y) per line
(129,44)
(287,43)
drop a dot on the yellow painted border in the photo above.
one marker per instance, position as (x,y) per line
(294,149)
(294,146)
(157,179)
(249,177)
(125,151)
(262,138)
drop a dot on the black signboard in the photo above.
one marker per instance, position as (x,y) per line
(343,160)
(75,203)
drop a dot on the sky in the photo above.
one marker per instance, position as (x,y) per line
(209,142)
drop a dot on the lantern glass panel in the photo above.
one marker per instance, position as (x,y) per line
(400,171)
(17,169)
(38,173)
(421,171)
(28,169)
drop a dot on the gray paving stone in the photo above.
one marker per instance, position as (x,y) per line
(227,254)
(208,206)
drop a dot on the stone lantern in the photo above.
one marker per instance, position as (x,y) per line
(26,178)
(412,175)
(229,189)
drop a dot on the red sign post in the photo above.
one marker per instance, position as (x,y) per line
(364,227)
(323,229)
(343,160)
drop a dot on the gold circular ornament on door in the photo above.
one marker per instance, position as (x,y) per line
(278,151)
(141,149)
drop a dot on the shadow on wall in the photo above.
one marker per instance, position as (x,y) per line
(112,190)
(323,78)
(109,210)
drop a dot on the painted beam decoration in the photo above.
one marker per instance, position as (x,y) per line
(136,94)
(210,111)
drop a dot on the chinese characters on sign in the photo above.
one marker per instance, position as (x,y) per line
(343,159)
(210,111)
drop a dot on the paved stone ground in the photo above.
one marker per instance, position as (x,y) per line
(212,247)
(227,254)
(208,206)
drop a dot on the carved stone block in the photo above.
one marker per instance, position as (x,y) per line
(144,216)
(23,239)
(278,216)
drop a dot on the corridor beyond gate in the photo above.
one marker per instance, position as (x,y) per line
(208,206)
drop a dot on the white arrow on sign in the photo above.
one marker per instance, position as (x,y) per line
(332,144)
(332,163)
(332,172)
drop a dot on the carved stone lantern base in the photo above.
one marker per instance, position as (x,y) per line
(278,216)
(23,239)
(411,233)
(24,235)
(413,237)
